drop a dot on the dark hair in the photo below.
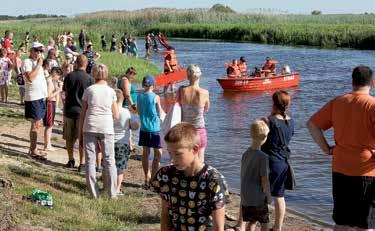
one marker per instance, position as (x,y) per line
(230,70)
(362,76)
(89,46)
(46,62)
(131,70)
(242,59)
(281,101)
(56,70)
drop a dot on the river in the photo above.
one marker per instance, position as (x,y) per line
(324,74)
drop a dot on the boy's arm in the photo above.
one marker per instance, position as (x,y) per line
(266,188)
(161,112)
(218,219)
(165,224)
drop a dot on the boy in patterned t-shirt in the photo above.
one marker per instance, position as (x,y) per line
(190,190)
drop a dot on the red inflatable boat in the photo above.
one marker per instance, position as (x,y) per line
(163,80)
(253,83)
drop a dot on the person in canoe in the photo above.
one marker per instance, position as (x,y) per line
(232,70)
(270,66)
(243,67)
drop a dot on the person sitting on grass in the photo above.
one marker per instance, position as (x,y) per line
(190,190)
(150,112)
(255,186)
(122,128)
(54,88)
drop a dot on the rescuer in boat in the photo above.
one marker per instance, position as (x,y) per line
(270,66)
(243,67)
(232,70)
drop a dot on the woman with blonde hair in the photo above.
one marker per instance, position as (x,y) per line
(194,102)
(99,109)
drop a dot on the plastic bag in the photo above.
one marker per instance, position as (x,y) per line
(42,198)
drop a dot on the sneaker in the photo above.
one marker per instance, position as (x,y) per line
(121,193)
(70,164)
(81,168)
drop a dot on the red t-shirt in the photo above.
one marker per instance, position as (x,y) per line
(8,45)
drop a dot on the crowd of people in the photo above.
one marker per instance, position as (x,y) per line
(101,114)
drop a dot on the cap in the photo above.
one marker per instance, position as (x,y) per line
(148,81)
(37,45)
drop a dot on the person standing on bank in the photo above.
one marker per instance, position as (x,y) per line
(352,117)
(195,101)
(99,109)
(82,41)
(130,94)
(74,85)
(113,43)
(276,147)
(35,93)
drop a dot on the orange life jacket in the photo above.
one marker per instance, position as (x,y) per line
(268,64)
(236,71)
(242,68)
(172,62)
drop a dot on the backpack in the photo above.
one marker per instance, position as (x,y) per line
(20,80)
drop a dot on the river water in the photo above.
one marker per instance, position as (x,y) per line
(324,74)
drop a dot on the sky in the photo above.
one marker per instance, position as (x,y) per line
(74,7)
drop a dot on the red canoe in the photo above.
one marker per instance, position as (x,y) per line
(162,80)
(259,83)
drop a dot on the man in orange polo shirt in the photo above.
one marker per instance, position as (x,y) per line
(352,117)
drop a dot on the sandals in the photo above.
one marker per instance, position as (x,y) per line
(36,156)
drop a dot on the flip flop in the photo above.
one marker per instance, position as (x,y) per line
(40,157)
(229,227)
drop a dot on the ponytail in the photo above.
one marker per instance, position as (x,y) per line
(281,101)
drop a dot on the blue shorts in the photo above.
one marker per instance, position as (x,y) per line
(149,139)
(35,110)
(278,177)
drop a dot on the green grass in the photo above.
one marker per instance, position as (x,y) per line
(72,209)
(11,115)
(118,64)
(329,31)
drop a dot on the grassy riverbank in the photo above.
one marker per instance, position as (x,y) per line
(118,63)
(328,31)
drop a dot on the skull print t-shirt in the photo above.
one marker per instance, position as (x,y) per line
(191,199)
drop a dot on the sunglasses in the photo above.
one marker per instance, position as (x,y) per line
(37,50)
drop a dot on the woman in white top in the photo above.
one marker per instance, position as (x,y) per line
(194,102)
(99,109)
